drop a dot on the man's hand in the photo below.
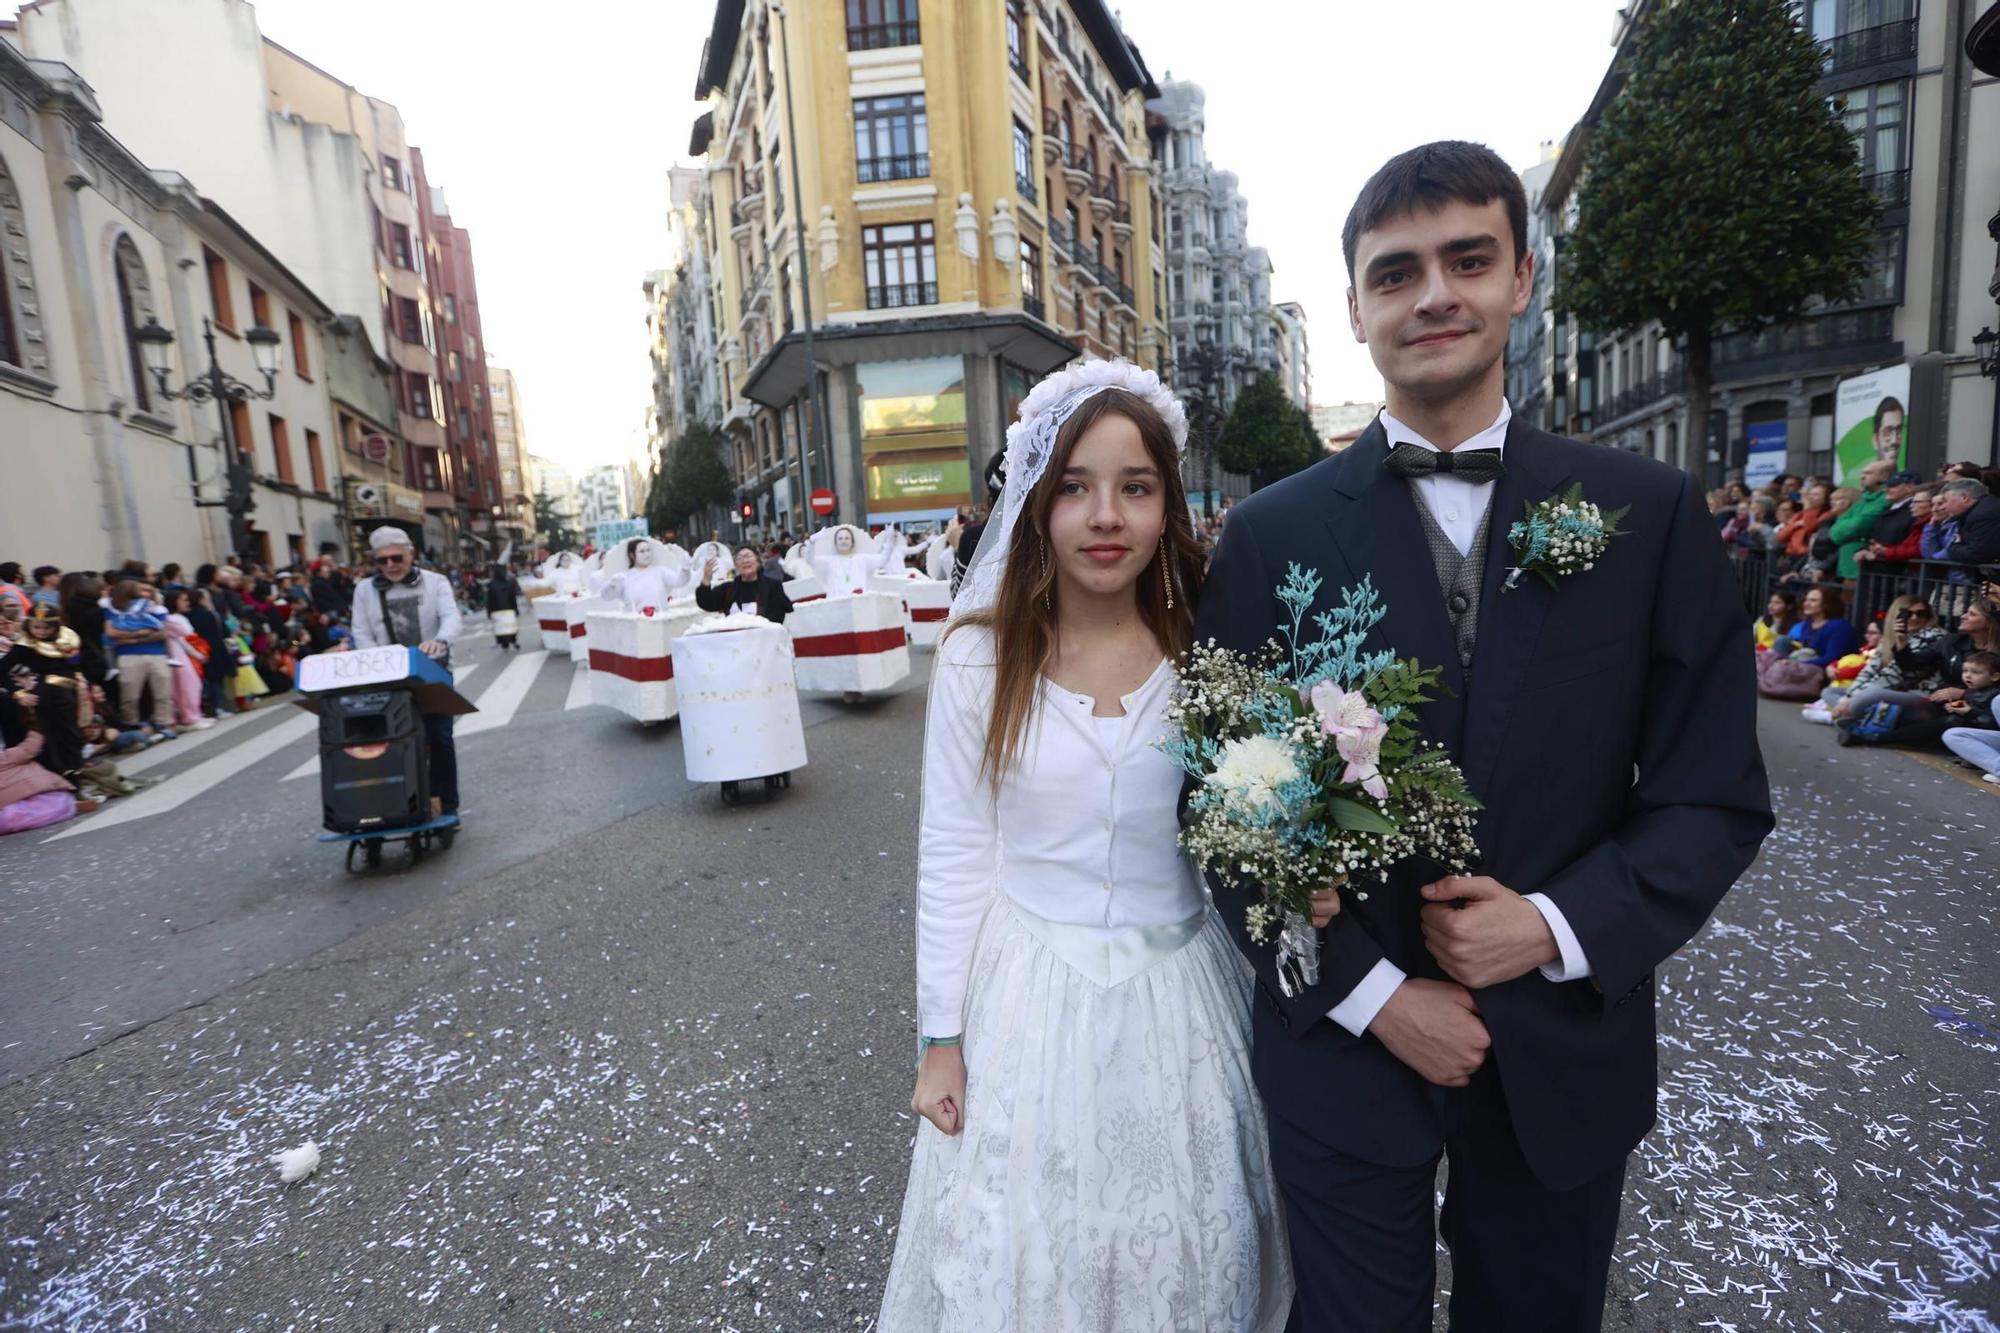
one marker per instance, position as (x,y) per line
(1948,694)
(1434,1028)
(433,647)
(1325,906)
(1483,933)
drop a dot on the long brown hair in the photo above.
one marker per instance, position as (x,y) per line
(1022,619)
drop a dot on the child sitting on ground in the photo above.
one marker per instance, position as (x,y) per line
(1975,739)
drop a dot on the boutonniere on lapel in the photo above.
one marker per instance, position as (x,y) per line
(1562,535)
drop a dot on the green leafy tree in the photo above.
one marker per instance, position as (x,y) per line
(1720,190)
(1266,436)
(550,525)
(690,478)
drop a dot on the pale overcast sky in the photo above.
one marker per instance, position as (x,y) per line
(551,128)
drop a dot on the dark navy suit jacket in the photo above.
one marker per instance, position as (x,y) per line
(1608,725)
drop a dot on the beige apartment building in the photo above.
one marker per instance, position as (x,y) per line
(979,208)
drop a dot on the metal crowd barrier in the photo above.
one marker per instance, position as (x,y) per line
(1949,587)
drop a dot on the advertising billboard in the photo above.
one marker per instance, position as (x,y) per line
(1870,421)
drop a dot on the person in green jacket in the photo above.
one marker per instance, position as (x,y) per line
(1852,529)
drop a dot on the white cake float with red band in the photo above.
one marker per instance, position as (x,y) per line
(631,660)
(576,609)
(856,644)
(739,701)
(926,603)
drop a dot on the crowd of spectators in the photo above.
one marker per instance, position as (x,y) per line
(99,664)
(1923,670)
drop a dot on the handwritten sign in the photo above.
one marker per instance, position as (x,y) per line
(345,671)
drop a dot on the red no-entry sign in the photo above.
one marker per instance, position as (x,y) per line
(822,502)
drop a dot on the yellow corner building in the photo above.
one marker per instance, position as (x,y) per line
(979,207)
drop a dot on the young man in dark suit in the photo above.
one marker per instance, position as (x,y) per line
(1502,1019)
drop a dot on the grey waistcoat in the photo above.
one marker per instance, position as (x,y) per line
(1459,576)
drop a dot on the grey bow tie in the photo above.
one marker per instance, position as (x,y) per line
(1475,465)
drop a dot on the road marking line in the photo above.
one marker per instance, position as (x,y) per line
(310,767)
(166,751)
(579,689)
(178,790)
(503,697)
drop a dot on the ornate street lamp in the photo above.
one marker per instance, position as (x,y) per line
(217,386)
(1986,343)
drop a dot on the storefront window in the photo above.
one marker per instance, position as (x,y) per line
(914,438)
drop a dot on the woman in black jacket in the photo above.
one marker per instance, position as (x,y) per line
(750,590)
(1978,631)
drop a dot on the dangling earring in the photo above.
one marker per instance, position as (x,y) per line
(1045,573)
(1166,577)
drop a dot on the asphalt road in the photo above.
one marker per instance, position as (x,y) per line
(627,1058)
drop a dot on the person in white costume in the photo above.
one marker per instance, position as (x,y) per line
(1092,1154)
(647,573)
(596,578)
(898,552)
(716,557)
(844,558)
(563,572)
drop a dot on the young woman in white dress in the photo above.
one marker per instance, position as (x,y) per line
(1091,1154)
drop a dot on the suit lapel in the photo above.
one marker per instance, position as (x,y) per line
(1510,622)
(1373,521)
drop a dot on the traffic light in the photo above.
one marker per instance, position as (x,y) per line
(747,511)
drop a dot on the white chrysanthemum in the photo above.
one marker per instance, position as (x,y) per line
(1250,771)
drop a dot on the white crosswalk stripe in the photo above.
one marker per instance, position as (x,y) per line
(178,790)
(579,689)
(502,699)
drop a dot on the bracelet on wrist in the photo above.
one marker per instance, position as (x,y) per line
(925,1043)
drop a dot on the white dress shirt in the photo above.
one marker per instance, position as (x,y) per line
(1458,506)
(1084,830)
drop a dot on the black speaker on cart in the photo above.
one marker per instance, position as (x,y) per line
(373,772)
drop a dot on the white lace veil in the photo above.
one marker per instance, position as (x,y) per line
(1031,442)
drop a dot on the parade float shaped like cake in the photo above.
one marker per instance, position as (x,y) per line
(857,645)
(739,702)
(631,660)
(926,603)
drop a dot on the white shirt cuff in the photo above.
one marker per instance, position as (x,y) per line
(1573,965)
(1365,1001)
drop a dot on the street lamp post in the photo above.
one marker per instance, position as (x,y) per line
(809,440)
(1986,346)
(213,384)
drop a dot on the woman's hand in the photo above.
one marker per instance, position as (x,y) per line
(1326,906)
(940,1094)
(1948,694)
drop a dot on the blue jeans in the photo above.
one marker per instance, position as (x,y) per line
(1975,746)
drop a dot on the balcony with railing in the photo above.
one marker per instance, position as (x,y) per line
(1033,305)
(1104,194)
(1026,186)
(896,296)
(1831,339)
(1868,50)
(876,36)
(1062,237)
(1018,62)
(1890,188)
(1642,395)
(902,167)
(1076,165)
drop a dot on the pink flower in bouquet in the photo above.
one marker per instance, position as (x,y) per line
(1357,731)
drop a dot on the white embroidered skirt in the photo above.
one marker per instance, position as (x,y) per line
(1112,1174)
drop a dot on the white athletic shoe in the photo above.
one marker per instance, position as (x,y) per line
(1817,713)
(1993,778)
